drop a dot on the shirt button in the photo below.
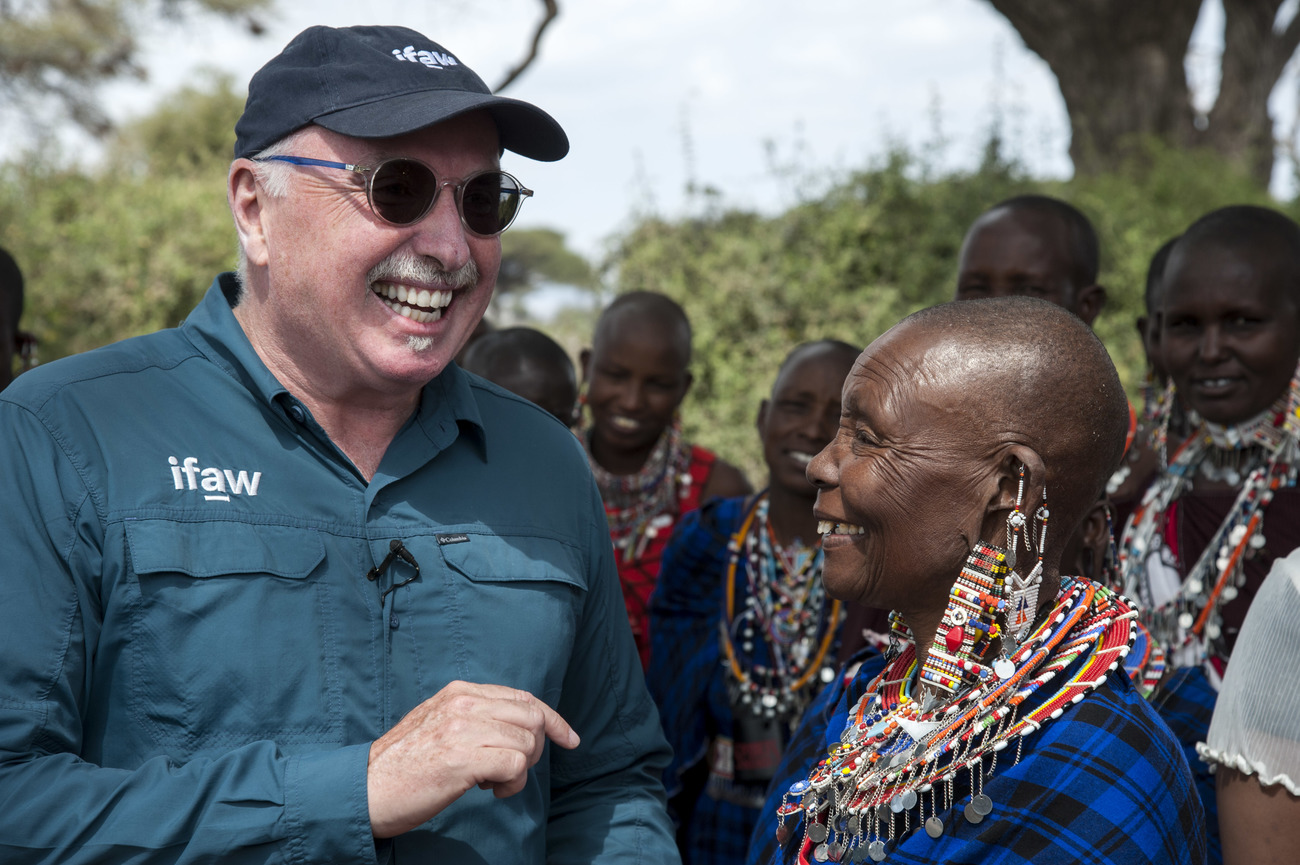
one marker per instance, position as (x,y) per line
(393,621)
(296,412)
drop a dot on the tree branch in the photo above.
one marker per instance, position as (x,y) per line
(1286,43)
(552,10)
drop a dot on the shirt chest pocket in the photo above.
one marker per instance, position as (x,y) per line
(517,604)
(233,637)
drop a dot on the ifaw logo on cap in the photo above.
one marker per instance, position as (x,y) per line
(432,59)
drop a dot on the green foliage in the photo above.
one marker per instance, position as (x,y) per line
(128,246)
(876,246)
(530,257)
(189,133)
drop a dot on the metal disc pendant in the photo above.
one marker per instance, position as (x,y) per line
(909,800)
(822,853)
(934,827)
(876,850)
(982,805)
(817,832)
(1004,668)
(971,815)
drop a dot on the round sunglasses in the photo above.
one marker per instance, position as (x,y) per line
(402,190)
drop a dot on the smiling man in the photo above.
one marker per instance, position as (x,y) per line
(256,566)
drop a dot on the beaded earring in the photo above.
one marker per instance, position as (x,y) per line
(969,622)
(1016,523)
(1022,604)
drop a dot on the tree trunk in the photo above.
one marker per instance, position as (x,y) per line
(1254,56)
(1119,65)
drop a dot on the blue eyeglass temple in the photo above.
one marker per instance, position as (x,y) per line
(323,163)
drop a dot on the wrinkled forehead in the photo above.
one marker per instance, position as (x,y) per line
(939,380)
(924,356)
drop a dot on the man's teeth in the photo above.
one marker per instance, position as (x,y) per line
(1215,382)
(421,305)
(801,458)
(828,527)
(624,423)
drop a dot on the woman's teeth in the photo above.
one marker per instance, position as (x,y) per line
(828,527)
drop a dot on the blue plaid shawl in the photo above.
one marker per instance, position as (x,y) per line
(1185,701)
(1103,783)
(688,681)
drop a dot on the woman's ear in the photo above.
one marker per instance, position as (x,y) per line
(1008,484)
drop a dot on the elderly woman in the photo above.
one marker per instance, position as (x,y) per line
(1001,720)
(1208,527)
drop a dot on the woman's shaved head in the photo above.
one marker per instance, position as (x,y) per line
(1027,372)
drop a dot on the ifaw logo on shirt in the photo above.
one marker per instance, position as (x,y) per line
(432,59)
(218,485)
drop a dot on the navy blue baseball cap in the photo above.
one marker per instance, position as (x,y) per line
(376,82)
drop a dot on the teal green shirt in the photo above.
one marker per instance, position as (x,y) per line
(193,661)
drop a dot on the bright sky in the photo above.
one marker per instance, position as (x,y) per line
(657,93)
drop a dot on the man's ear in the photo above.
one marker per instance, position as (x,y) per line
(1089,303)
(760,422)
(245,201)
(1006,486)
(584,363)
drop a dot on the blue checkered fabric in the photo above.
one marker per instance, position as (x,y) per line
(1103,783)
(1185,701)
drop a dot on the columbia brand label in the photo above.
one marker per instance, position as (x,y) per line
(443,540)
(432,59)
(216,484)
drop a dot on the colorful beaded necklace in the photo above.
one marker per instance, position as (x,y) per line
(787,609)
(1264,451)
(896,754)
(641,505)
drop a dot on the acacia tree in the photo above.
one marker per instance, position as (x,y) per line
(1119,65)
(56,54)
